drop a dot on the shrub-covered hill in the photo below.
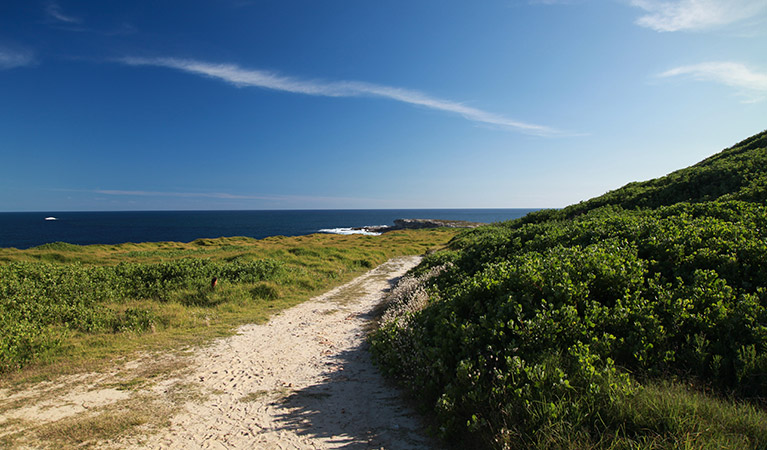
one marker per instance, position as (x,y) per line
(635,320)
(736,173)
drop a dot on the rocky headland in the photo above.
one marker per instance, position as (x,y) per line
(412,224)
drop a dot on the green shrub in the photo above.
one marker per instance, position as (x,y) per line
(38,301)
(539,324)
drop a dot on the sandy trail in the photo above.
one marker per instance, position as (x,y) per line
(304,380)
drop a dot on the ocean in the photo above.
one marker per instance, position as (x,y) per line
(29,229)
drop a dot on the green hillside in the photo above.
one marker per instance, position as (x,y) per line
(736,173)
(637,319)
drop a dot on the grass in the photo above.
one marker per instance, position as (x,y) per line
(81,432)
(187,318)
(181,318)
(93,429)
(663,415)
(259,395)
(690,419)
(255,396)
(143,410)
(193,315)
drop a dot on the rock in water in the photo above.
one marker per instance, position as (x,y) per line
(413,224)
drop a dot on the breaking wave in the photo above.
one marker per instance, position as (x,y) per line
(349,231)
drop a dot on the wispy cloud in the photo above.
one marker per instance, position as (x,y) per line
(238,76)
(217,195)
(278,200)
(58,19)
(53,11)
(751,83)
(678,15)
(10,59)
(551,2)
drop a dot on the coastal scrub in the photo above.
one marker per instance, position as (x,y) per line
(635,320)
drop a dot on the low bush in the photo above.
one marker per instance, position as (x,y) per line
(40,302)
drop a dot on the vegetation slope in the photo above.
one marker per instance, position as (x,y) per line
(637,319)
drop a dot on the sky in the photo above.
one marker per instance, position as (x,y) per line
(341,104)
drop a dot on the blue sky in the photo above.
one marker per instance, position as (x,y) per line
(236,104)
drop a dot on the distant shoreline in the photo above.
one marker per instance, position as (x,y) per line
(403,224)
(417,224)
(26,230)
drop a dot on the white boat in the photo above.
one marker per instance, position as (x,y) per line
(51,218)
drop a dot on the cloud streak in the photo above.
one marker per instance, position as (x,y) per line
(235,75)
(288,200)
(679,15)
(54,11)
(732,74)
(10,59)
(217,195)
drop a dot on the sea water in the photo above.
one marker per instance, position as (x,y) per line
(30,229)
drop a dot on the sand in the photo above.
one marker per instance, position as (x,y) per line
(304,380)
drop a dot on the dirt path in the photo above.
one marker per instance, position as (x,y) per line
(304,380)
